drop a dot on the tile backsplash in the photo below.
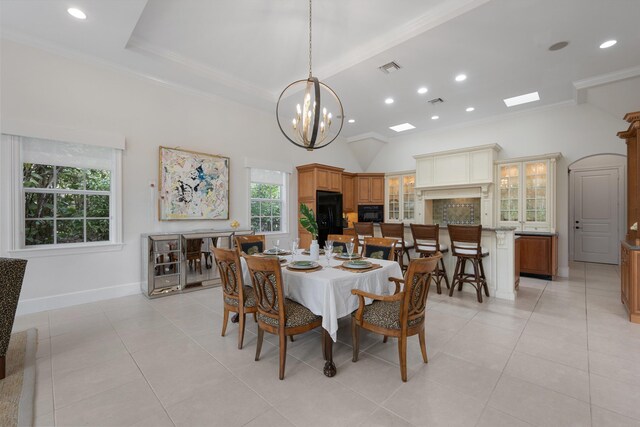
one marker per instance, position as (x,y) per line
(463,211)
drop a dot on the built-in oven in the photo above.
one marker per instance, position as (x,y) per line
(371,213)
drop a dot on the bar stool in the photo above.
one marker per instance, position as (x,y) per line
(465,246)
(426,239)
(363,229)
(396,231)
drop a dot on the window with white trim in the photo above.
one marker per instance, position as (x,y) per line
(268,201)
(67,193)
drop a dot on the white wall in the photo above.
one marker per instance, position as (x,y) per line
(574,130)
(43,87)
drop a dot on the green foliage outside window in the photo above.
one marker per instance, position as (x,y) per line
(266,207)
(65,204)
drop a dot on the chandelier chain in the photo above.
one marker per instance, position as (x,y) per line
(310,38)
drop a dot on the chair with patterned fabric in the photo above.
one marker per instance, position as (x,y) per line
(340,241)
(237,298)
(276,314)
(400,315)
(427,242)
(396,231)
(379,247)
(363,230)
(251,244)
(11,276)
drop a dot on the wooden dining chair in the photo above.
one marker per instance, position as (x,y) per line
(363,229)
(465,246)
(426,239)
(396,231)
(237,298)
(251,244)
(194,254)
(340,241)
(400,315)
(276,314)
(379,247)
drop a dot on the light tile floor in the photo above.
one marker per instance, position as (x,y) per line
(563,354)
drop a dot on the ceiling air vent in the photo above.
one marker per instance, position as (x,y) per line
(389,68)
(435,101)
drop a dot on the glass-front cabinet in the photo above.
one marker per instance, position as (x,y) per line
(526,193)
(400,193)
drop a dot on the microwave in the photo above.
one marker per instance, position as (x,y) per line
(371,213)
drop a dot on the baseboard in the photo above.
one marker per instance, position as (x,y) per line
(34,305)
(563,271)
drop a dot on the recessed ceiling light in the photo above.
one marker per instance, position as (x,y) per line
(388,101)
(469,109)
(402,127)
(423,90)
(435,117)
(351,120)
(522,99)
(77,13)
(608,43)
(461,77)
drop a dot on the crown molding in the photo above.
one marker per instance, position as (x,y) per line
(580,87)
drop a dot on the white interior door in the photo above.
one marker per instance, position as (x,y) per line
(596,217)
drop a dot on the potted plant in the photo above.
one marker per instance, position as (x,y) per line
(308,222)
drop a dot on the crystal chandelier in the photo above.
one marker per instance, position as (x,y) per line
(309,124)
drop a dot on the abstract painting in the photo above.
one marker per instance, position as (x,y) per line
(193,185)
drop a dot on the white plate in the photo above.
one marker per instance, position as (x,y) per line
(357,264)
(346,256)
(303,265)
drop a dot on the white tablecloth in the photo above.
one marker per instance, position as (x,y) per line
(327,292)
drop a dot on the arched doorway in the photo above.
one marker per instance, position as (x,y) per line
(597,208)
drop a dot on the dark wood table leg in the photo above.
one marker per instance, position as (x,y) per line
(235,318)
(327,347)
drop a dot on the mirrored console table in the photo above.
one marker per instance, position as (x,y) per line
(176,262)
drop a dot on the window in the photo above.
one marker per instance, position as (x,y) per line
(401,198)
(67,193)
(268,194)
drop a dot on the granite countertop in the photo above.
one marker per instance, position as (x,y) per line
(536,233)
(408,225)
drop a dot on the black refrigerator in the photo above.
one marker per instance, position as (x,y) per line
(328,214)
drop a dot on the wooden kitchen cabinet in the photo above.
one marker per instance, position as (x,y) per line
(630,251)
(370,189)
(538,255)
(348,192)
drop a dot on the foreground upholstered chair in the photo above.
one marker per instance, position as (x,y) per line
(276,314)
(427,242)
(237,297)
(379,247)
(251,244)
(11,276)
(399,315)
(340,241)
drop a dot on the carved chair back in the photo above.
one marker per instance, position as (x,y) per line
(230,269)
(266,276)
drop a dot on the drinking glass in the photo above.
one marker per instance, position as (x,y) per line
(349,246)
(276,245)
(294,247)
(328,251)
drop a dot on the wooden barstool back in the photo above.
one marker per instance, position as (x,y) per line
(466,246)
(396,231)
(426,239)
(363,229)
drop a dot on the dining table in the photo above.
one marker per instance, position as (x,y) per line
(327,291)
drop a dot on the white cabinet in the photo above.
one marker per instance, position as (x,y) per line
(525,193)
(400,200)
(455,168)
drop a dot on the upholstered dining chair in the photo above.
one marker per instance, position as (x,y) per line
(396,231)
(379,247)
(276,314)
(400,315)
(237,298)
(363,230)
(341,240)
(251,244)
(11,276)
(426,238)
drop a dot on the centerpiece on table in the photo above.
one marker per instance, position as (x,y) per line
(308,222)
